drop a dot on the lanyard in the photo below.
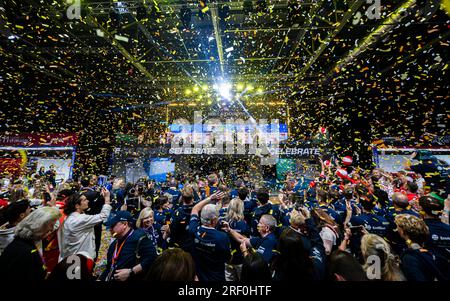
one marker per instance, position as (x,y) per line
(44,266)
(117,252)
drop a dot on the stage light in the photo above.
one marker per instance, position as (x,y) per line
(240,87)
(260,90)
(188,92)
(250,87)
(204,87)
(225,90)
(196,89)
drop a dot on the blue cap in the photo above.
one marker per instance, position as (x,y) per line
(120,216)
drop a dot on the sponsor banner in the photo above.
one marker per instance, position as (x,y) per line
(30,140)
(305,151)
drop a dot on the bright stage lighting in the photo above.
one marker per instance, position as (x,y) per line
(240,87)
(196,89)
(188,92)
(250,88)
(225,90)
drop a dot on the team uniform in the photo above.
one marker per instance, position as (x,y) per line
(211,250)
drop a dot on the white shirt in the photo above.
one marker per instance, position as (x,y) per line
(77,233)
(328,235)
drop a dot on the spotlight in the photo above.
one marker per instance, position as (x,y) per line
(188,92)
(250,87)
(240,87)
(195,89)
(260,90)
(204,87)
(225,90)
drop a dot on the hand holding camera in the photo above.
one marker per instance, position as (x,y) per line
(106,195)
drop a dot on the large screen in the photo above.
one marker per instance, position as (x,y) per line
(228,133)
(158,168)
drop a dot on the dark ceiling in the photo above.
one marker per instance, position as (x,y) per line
(136,55)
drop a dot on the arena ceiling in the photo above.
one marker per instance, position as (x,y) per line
(140,54)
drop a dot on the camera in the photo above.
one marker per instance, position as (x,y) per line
(356,229)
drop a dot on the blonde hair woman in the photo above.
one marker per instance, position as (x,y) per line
(235,218)
(146,221)
(374,245)
(235,210)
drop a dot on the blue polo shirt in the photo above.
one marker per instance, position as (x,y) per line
(311,204)
(391,213)
(439,240)
(334,215)
(211,250)
(179,228)
(175,197)
(242,228)
(260,211)
(265,246)
(223,212)
(127,256)
(162,217)
(285,217)
(374,224)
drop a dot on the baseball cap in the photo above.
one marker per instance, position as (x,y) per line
(120,216)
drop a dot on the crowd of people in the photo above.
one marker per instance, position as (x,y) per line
(346,224)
